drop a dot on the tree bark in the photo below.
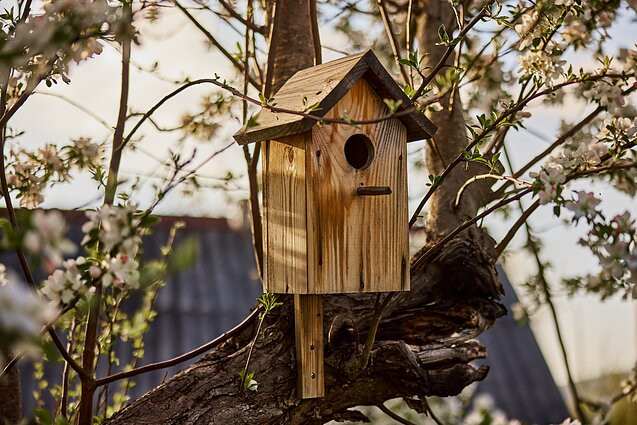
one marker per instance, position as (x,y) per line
(10,394)
(424,343)
(417,354)
(450,138)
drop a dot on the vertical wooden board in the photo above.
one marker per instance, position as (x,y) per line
(308,329)
(265,148)
(312,236)
(285,215)
(358,243)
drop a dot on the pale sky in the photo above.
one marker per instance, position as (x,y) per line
(600,336)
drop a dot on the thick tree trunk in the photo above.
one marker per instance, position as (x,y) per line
(450,138)
(424,344)
(10,402)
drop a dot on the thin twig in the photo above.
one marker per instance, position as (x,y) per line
(518,107)
(443,59)
(499,249)
(247,22)
(379,309)
(118,136)
(184,357)
(253,101)
(79,106)
(549,301)
(393,415)
(252,161)
(408,37)
(87,382)
(249,356)
(434,249)
(65,374)
(432,415)
(237,64)
(392,40)
(316,36)
(14,224)
(486,176)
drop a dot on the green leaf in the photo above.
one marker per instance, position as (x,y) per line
(184,255)
(252,121)
(262,98)
(443,35)
(43,416)
(392,105)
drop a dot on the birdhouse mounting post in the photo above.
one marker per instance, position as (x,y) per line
(308,330)
(334,195)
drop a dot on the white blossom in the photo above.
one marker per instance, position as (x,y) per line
(63,285)
(570,421)
(3,274)
(551,176)
(622,223)
(48,237)
(605,18)
(576,31)
(36,35)
(86,152)
(49,157)
(611,258)
(116,226)
(541,63)
(122,272)
(631,59)
(22,314)
(584,206)
(607,95)
(530,27)
(518,311)
(580,156)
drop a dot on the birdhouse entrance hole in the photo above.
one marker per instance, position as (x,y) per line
(359,151)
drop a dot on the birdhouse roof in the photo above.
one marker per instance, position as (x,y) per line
(325,85)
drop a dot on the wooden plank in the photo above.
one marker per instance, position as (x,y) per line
(308,329)
(417,124)
(326,84)
(357,243)
(285,265)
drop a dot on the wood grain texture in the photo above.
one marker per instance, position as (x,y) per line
(320,235)
(285,247)
(308,330)
(357,243)
(326,85)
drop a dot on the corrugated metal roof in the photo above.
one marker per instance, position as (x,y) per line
(194,307)
(519,379)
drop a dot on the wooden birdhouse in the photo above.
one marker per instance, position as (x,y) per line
(335,194)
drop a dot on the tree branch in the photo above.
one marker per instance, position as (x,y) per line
(236,15)
(184,357)
(118,136)
(494,125)
(393,415)
(443,60)
(215,43)
(392,40)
